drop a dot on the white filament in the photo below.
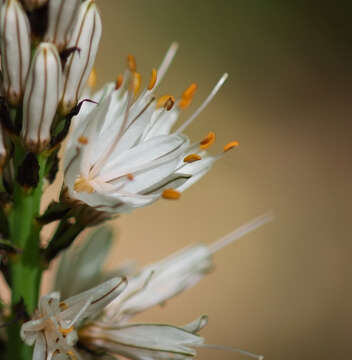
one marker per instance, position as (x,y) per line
(231,349)
(166,62)
(241,231)
(205,103)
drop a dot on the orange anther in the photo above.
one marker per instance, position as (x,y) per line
(187,96)
(130,177)
(171,194)
(231,145)
(83,140)
(164,101)
(192,158)
(82,185)
(153,78)
(137,81)
(92,79)
(207,141)
(66,331)
(131,63)
(63,306)
(118,82)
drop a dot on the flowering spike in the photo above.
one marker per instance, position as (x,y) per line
(41,96)
(61,19)
(15,49)
(86,36)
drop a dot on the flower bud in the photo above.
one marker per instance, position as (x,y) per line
(34,4)
(85,39)
(15,49)
(42,94)
(62,16)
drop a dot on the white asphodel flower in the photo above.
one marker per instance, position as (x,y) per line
(15,49)
(85,39)
(61,19)
(53,329)
(122,154)
(41,96)
(153,285)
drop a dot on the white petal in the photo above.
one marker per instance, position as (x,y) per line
(41,348)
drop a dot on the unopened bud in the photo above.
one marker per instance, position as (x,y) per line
(85,38)
(61,19)
(15,49)
(34,4)
(41,97)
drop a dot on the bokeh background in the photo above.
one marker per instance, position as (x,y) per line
(283,291)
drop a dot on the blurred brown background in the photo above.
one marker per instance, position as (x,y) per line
(283,291)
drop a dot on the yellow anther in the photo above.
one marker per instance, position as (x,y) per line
(165,101)
(231,145)
(137,80)
(192,158)
(63,306)
(187,96)
(207,141)
(171,194)
(119,81)
(153,78)
(83,140)
(92,79)
(130,177)
(66,331)
(82,185)
(131,63)
(71,355)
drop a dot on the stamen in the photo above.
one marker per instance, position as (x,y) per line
(192,158)
(204,105)
(65,332)
(63,306)
(130,177)
(169,103)
(208,141)
(92,79)
(118,82)
(166,62)
(131,63)
(83,140)
(137,81)
(231,145)
(152,81)
(162,101)
(82,185)
(187,96)
(231,349)
(241,231)
(171,194)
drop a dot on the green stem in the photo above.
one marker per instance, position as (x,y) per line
(26,268)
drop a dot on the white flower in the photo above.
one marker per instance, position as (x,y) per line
(61,19)
(15,49)
(85,38)
(153,285)
(41,96)
(53,327)
(122,154)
